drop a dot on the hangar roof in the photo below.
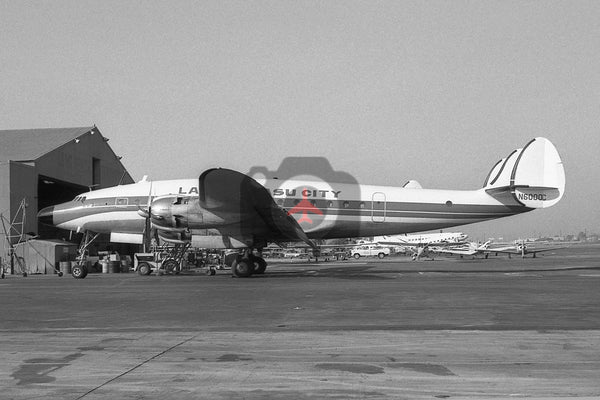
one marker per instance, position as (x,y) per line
(31,144)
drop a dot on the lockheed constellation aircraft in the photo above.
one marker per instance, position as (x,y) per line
(228,209)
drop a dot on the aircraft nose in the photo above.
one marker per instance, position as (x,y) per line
(46,215)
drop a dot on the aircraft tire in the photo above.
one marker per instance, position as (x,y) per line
(260,265)
(79,271)
(242,268)
(144,269)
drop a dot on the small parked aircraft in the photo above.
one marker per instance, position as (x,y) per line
(228,209)
(466,249)
(422,239)
(521,249)
(421,244)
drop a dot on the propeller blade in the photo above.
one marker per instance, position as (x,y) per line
(147,214)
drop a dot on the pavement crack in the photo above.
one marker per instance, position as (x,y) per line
(154,357)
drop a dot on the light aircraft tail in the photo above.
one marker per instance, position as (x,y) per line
(532,176)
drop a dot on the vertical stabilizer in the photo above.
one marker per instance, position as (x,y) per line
(533,176)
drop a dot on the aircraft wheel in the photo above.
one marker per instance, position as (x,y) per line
(60,273)
(260,265)
(242,268)
(79,271)
(380,255)
(357,256)
(144,268)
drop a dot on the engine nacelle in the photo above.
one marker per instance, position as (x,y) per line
(171,213)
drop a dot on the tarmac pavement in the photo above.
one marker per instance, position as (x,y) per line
(366,329)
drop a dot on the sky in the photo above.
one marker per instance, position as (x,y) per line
(387,91)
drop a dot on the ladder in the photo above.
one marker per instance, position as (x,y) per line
(14,235)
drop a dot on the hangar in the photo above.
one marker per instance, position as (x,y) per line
(43,167)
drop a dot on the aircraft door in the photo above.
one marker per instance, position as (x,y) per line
(378,207)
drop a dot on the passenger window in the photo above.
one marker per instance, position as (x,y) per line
(121,201)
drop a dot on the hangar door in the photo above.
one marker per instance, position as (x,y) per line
(53,191)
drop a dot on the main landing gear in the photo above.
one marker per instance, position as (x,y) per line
(246,264)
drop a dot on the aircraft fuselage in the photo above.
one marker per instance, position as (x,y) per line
(323,210)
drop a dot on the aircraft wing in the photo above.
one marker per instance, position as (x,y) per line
(248,206)
(415,244)
(400,242)
(504,250)
(461,252)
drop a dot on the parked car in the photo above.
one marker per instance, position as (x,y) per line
(370,251)
(291,254)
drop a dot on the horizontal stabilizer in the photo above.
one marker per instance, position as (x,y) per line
(532,176)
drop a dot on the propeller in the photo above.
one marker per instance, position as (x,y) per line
(148,232)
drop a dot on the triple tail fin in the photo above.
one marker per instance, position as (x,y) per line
(533,176)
